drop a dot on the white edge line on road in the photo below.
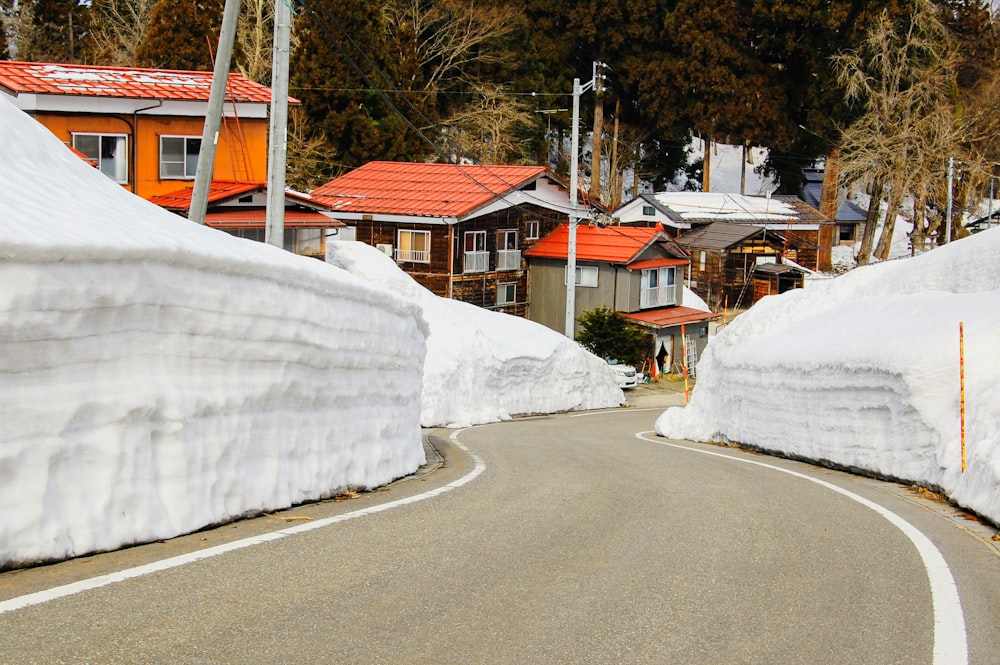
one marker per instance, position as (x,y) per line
(40,597)
(950,641)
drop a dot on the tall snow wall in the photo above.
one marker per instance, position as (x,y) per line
(157,376)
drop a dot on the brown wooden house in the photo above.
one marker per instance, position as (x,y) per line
(809,236)
(458,230)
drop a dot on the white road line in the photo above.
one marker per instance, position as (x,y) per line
(950,641)
(181,560)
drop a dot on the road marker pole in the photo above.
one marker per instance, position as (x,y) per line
(684,352)
(961,375)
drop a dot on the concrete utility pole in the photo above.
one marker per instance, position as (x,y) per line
(274,233)
(573,215)
(213,118)
(951,180)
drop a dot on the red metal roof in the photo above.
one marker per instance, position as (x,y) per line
(121,82)
(614,244)
(657,263)
(217,191)
(430,190)
(666,317)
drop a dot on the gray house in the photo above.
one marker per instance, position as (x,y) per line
(637,271)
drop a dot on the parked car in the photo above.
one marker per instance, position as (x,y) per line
(625,375)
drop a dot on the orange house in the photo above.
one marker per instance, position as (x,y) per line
(143,127)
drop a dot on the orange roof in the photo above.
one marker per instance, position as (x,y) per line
(217,190)
(666,317)
(429,190)
(131,83)
(614,244)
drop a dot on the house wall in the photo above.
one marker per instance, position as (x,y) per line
(445,275)
(240,155)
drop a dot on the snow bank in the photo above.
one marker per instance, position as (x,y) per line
(157,376)
(485,366)
(863,371)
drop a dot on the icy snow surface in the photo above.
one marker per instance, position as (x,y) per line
(157,376)
(485,366)
(863,370)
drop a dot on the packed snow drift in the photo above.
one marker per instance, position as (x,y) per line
(864,371)
(157,376)
(485,366)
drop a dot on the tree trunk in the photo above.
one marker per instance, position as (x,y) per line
(615,172)
(706,167)
(830,200)
(889,227)
(595,159)
(871,221)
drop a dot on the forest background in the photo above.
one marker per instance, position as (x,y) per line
(885,93)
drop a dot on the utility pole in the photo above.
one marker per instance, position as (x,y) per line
(274,232)
(578,90)
(213,117)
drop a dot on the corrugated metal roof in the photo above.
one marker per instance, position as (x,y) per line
(255,218)
(429,190)
(218,190)
(121,82)
(666,317)
(718,235)
(614,244)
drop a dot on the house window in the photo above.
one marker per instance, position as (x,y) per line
(110,151)
(531,233)
(701,260)
(658,288)
(585,276)
(648,211)
(507,293)
(310,242)
(508,255)
(414,246)
(179,157)
(847,232)
(476,258)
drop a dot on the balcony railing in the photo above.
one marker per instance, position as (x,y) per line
(509,259)
(658,297)
(476,261)
(413,255)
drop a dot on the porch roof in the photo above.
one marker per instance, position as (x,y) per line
(668,317)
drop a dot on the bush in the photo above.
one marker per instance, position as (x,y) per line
(608,334)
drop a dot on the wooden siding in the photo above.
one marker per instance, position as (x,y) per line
(445,274)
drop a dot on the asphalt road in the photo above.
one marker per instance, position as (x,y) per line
(577,542)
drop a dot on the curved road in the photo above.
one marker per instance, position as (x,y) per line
(571,541)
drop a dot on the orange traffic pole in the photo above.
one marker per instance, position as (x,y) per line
(687,394)
(961,380)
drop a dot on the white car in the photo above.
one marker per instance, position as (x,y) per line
(624,374)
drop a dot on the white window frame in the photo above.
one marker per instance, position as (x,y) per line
(187,174)
(505,288)
(531,230)
(648,211)
(113,167)
(405,251)
(658,287)
(475,258)
(508,255)
(586,276)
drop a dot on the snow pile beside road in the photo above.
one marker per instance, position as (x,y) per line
(157,376)
(485,366)
(863,371)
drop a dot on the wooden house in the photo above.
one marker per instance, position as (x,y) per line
(637,271)
(458,230)
(724,258)
(143,127)
(239,208)
(809,236)
(849,217)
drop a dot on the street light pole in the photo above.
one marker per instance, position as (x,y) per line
(578,90)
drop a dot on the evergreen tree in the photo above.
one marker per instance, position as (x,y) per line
(608,334)
(183,34)
(51,30)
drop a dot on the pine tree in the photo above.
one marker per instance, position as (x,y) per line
(183,34)
(51,30)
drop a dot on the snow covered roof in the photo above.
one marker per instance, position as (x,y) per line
(120,82)
(431,190)
(222,191)
(703,207)
(614,244)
